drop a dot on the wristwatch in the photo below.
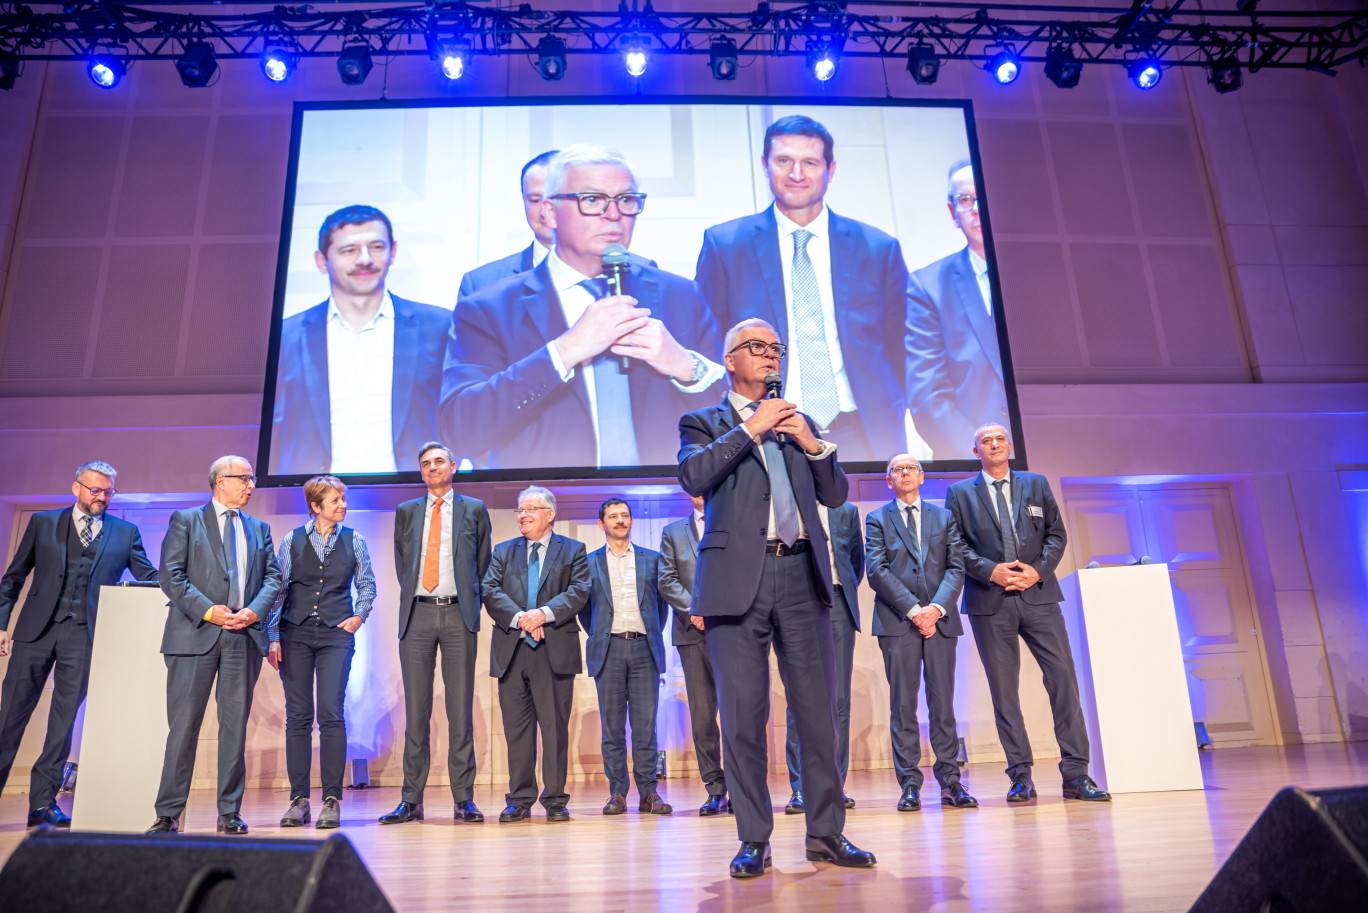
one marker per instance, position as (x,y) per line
(695,374)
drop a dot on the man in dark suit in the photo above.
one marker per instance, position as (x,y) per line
(532,184)
(534,365)
(219,570)
(916,570)
(72,552)
(761,580)
(625,653)
(845,550)
(834,287)
(441,552)
(535,586)
(1013,540)
(678,556)
(954,364)
(357,377)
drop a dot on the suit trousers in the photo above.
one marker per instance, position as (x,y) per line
(309,650)
(1042,627)
(904,659)
(629,688)
(65,646)
(236,663)
(843,642)
(433,628)
(788,613)
(534,698)
(701,691)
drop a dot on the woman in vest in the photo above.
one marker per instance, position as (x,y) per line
(312,630)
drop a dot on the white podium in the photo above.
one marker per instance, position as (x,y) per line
(1131,678)
(124,737)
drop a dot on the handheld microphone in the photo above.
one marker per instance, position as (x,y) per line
(1093,565)
(615,270)
(774,389)
(1143,559)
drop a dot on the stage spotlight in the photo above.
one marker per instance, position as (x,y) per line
(1226,75)
(105,69)
(822,59)
(1145,73)
(9,69)
(197,64)
(923,64)
(551,58)
(1062,67)
(278,62)
(1004,66)
(634,56)
(354,64)
(722,59)
(454,59)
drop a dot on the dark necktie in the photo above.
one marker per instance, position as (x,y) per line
(809,327)
(910,513)
(786,525)
(230,556)
(612,399)
(533,583)
(1009,552)
(86,534)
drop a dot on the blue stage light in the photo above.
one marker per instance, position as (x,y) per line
(454,58)
(278,62)
(634,56)
(1145,73)
(1004,67)
(105,69)
(823,59)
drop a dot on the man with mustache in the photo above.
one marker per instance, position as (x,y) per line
(356,384)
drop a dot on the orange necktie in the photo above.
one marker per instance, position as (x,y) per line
(432,557)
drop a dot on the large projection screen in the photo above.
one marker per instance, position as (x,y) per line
(911,318)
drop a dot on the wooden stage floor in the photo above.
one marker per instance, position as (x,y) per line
(1142,852)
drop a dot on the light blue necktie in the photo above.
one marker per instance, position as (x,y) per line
(230,558)
(533,583)
(809,330)
(612,399)
(786,525)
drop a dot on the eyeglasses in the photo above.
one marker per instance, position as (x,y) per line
(964,202)
(246,479)
(596,204)
(904,470)
(527,510)
(96,492)
(759,347)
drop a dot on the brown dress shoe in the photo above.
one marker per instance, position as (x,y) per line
(617,805)
(654,805)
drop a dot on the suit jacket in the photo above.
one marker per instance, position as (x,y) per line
(954,364)
(562,586)
(740,275)
(1040,538)
(678,557)
(492,272)
(848,545)
(469,554)
(597,617)
(43,549)
(501,392)
(902,581)
(194,577)
(719,461)
(301,433)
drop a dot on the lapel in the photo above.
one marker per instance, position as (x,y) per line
(211,528)
(895,518)
(405,364)
(314,362)
(106,530)
(843,264)
(525,263)
(987,496)
(516,578)
(458,509)
(971,302)
(765,245)
(926,529)
(729,418)
(540,305)
(646,290)
(639,559)
(552,557)
(693,534)
(603,581)
(63,533)
(1018,499)
(252,583)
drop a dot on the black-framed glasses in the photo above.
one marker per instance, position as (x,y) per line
(964,202)
(96,492)
(246,478)
(759,347)
(596,204)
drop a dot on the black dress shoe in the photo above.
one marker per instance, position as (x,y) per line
(50,815)
(956,796)
(1085,789)
(795,804)
(1023,790)
(514,813)
(849,802)
(751,861)
(466,811)
(715,805)
(404,811)
(839,850)
(557,813)
(232,825)
(163,825)
(911,800)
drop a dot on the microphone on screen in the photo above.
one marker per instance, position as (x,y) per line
(774,389)
(1144,559)
(615,270)
(1093,565)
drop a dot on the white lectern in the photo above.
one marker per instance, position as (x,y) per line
(124,737)
(1131,678)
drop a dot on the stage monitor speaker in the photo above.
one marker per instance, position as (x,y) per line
(61,872)
(1307,852)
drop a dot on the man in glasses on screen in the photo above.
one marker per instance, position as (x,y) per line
(954,366)
(549,368)
(835,288)
(356,385)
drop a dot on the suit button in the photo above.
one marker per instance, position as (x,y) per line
(764,497)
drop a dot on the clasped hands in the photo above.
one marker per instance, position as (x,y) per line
(230,620)
(616,324)
(532,623)
(1015,577)
(781,416)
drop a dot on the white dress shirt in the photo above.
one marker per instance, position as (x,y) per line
(698,528)
(220,512)
(744,409)
(360,390)
(913,520)
(825,514)
(78,517)
(539,253)
(446,568)
(1006,494)
(622,582)
(819,252)
(981,274)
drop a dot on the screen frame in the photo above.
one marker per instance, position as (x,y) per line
(270,479)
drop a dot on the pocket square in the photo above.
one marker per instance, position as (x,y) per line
(1034,511)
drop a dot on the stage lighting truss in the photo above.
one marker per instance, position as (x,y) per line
(820,31)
